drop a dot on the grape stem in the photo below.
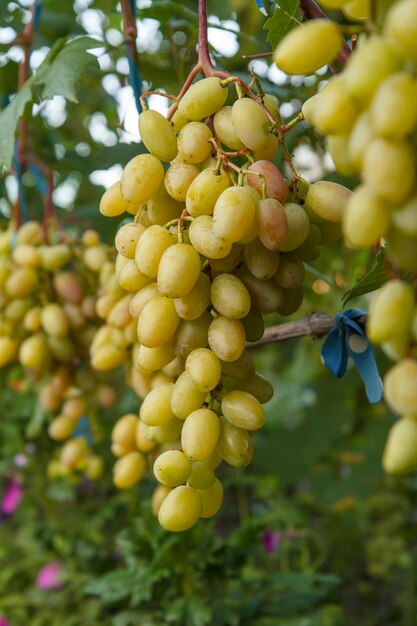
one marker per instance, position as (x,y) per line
(313,325)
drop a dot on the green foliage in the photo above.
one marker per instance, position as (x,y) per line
(286,17)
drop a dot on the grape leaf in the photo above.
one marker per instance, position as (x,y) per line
(59,74)
(286,17)
(374,279)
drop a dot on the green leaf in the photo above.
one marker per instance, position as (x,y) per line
(286,17)
(374,279)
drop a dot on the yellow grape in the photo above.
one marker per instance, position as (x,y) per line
(158,135)
(271,223)
(321,38)
(53,320)
(74,407)
(235,445)
(335,111)
(234,212)
(359,139)
(200,434)
(402,249)
(262,262)
(156,409)
(152,359)
(405,217)
(330,232)
(162,208)
(186,397)
(157,322)
(107,357)
(226,338)
(391,312)
(119,314)
(62,348)
(73,452)
(68,287)
(22,282)
(158,496)
(276,186)
(253,324)
(272,104)
(205,190)
(150,248)
(241,369)
(178,179)
(328,200)
(179,270)
(229,262)
(16,310)
(124,432)
(389,169)
(290,273)
(181,508)
(202,475)
(400,26)
(394,107)
(29,233)
(128,470)
(309,108)
(230,296)
(366,220)
(203,98)
(94,468)
(250,123)
(243,410)
(131,278)
(205,240)
(337,145)
(400,454)
(142,443)
(26,255)
(192,334)
(268,148)
(34,353)
(266,295)
(141,178)
(256,385)
(400,387)
(212,498)
(127,238)
(94,257)
(112,202)
(357,10)
(61,428)
(194,143)
(172,468)
(223,127)
(298,226)
(165,433)
(204,368)
(192,305)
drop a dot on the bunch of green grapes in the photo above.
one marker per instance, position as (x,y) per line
(369,116)
(218,241)
(47,322)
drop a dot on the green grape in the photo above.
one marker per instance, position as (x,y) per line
(359,139)
(200,434)
(235,445)
(157,322)
(256,385)
(262,262)
(192,334)
(127,238)
(357,10)
(394,107)
(230,296)
(241,369)
(309,108)
(322,38)
(266,150)
(166,433)
(271,223)
(266,295)
(192,305)
(290,273)
(124,432)
(153,359)
(272,104)
(162,208)
(141,178)
(328,200)
(391,312)
(205,240)
(335,111)
(223,127)
(150,248)
(330,232)
(54,321)
(22,282)
(156,409)
(226,338)
(186,397)
(202,476)
(141,299)
(172,468)
(366,220)
(253,324)
(405,217)
(26,255)
(17,309)
(298,226)
(400,26)
(337,146)
(158,135)
(128,470)
(203,98)
(8,350)
(62,348)
(158,496)
(243,410)
(34,353)
(29,233)
(402,249)
(212,498)
(400,454)
(292,300)
(131,278)
(250,123)
(204,191)
(178,120)
(181,508)
(178,179)
(179,270)
(276,187)
(400,387)
(389,169)
(112,202)
(204,368)
(373,60)
(194,143)
(234,212)
(229,262)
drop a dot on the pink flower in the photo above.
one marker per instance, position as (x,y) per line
(12,495)
(271,540)
(3,621)
(50,576)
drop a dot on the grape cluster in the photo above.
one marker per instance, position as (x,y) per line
(369,116)
(217,242)
(47,322)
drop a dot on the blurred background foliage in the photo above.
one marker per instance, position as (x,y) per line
(312,533)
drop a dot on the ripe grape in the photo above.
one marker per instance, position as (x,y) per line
(158,135)
(181,508)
